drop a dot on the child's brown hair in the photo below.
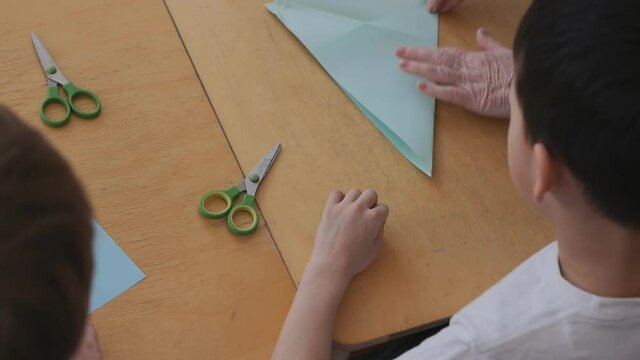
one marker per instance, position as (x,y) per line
(45,247)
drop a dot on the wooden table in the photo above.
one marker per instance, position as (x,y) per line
(448,238)
(145,161)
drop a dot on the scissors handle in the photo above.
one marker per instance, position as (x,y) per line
(53,97)
(73,91)
(246,205)
(227,195)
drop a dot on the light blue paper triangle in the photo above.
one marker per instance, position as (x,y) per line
(355,41)
(113,271)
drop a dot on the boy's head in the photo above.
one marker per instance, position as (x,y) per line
(575,120)
(45,247)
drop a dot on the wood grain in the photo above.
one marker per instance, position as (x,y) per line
(145,161)
(448,238)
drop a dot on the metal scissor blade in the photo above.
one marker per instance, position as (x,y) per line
(46,60)
(43,55)
(265,164)
(254,178)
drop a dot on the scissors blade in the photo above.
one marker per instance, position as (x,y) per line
(260,170)
(47,61)
(242,186)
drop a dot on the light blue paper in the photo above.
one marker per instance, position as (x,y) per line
(113,270)
(355,41)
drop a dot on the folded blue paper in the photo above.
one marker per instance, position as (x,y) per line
(355,42)
(113,271)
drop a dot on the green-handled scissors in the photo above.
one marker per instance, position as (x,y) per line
(250,186)
(56,78)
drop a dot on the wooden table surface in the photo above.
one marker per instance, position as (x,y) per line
(448,238)
(145,161)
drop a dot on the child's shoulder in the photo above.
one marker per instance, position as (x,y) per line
(535,310)
(520,296)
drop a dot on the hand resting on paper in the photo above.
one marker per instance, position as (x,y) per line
(476,80)
(442,5)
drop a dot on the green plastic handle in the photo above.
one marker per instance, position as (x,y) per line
(227,195)
(53,97)
(246,205)
(74,91)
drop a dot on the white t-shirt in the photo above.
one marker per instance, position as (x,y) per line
(534,313)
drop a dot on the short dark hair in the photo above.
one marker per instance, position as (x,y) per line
(578,82)
(45,247)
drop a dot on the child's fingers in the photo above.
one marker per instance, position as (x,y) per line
(369,198)
(335,197)
(352,195)
(380,212)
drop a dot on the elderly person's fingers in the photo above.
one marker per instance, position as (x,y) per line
(442,5)
(475,80)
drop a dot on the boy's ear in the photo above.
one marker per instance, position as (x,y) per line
(543,171)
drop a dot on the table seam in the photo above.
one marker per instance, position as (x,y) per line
(218,119)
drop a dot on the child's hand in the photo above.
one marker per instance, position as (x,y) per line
(349,238)
(89,346)
(350,234)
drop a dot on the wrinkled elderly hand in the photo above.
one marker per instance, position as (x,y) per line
(442,5)
(477,81)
